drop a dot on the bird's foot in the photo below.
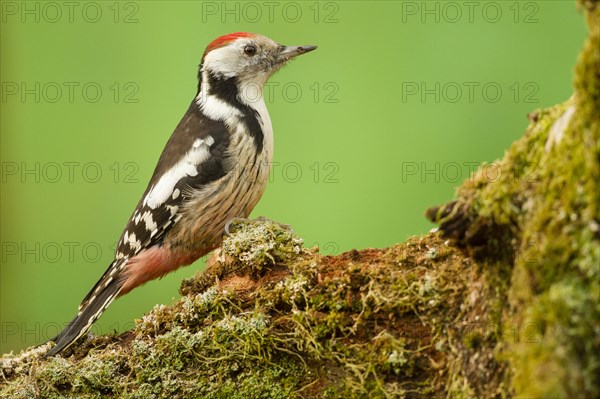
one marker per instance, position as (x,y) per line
(233,222)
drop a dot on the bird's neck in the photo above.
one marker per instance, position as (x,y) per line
(222,97)
(234,99)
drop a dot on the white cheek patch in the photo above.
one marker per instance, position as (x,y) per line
(224,61)
(172,209)
(187,166)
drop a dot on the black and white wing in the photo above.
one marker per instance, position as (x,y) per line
(192,158)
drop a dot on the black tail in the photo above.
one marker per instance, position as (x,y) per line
(95,303)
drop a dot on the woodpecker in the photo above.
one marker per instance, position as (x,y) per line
(213,169)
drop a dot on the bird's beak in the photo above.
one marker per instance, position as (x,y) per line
(288,52)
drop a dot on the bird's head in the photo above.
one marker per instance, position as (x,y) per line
(248,57)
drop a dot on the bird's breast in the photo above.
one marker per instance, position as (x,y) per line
(208,210)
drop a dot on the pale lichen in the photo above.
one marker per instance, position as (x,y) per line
(283,323)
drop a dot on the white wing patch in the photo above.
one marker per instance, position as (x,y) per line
(132,241)
(165,188)
(150,223)
(225,60)
(173,209)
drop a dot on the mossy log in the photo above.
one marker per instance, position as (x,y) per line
(502,301)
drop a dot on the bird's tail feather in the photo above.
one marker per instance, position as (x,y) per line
(92,307)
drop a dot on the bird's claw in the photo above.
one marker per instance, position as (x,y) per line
(232,221)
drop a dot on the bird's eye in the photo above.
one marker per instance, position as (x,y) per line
(250,49)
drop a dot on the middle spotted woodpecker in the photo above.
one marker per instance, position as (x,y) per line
(214,168)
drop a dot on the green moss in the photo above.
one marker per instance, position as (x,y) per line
(280,321)
(537,225)
(266,244)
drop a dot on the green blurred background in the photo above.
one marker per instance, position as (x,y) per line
(395,108)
